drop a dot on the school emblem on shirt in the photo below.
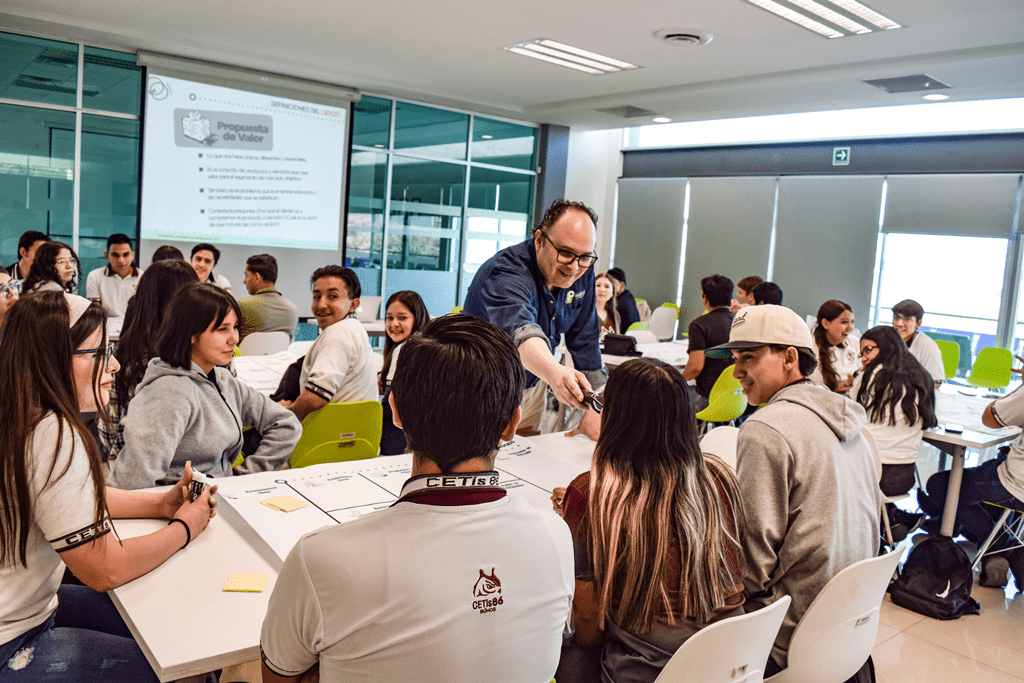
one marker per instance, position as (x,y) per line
(487,590)
(569,296)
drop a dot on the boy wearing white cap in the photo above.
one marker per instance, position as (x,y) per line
(806,476)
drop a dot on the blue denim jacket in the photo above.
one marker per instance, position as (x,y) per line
(510,292)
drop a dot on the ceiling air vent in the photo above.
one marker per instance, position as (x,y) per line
(628,111)
(913,83)
(683,37)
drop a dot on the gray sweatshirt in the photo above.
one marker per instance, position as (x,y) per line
(811,496)
(179,415)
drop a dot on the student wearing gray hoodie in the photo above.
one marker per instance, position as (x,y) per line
(188,407)
(806,476)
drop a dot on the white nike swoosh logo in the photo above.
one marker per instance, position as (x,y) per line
(944,593)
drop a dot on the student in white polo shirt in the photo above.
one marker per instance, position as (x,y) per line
(337,368)
(906,318)
(115,283)
(456,582)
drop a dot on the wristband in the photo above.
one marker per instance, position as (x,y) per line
(188,532)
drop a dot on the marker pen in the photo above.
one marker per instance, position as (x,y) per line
(196,487)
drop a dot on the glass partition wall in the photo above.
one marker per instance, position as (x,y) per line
(69,145)
(433,194)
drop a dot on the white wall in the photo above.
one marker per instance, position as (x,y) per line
(595,164)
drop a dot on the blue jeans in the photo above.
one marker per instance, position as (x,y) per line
(84,640)
(980,485)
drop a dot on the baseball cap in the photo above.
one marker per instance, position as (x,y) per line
(618,274)
(757,326)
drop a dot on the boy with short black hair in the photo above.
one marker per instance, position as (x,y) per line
(457,581)
(706,331)
(906,318)
(115,283)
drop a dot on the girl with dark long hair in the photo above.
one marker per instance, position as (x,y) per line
(404,316)
(899,397)
(55,267)
(56,509)
(655,527)
(139,342)
(837,346)
(607,315)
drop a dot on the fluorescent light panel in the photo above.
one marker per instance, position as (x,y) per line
(568,56)
(822,17)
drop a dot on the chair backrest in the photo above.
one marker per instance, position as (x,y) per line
(644,309)
(339,432)
(306,331)
(991,368)
(642,336)
(637,326)
(870,439)
(725,383)
(264,343)
(950,356)
(369,307)
(963,342)
(836,634)
(663,322)
(732,650)
(721,442)
(725,408)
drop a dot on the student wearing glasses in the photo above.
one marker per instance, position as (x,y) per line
(54,268)
(189,407)
(9,291)
(539,290)
(57,511)
(906,318)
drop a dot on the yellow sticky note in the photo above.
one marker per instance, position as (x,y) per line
(284,503)
(245,583)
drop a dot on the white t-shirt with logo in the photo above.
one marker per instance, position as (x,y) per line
(111,289)
(337,367)
(1009,412)
(63,517)
(431,593)
(845,360)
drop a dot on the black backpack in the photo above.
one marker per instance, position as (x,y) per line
(620,345)
(936,580)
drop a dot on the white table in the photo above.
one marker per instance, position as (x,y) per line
(186,625)
(955,407)
(263,373)
(672,352)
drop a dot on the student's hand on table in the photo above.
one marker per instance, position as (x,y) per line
(558,500)
(1020,369)
(198,513)
(589,426)
(179,494)
(569,385)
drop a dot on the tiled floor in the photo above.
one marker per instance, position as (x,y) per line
(986,647)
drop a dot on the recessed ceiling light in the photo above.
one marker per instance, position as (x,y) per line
(829,18)
(936,97)
(568,56)
(487,137)
(661,119)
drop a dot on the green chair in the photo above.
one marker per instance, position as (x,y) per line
(456,310)
(339,432)
(725,383)
(637,326)
(726,401)
(965,345)
(950,356)
(992,368)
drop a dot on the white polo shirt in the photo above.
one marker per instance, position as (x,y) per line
(111,289)
(1009,412)
(337,367)
(426,591)
(845,360)
(927,352)
(63,517)
(897,444)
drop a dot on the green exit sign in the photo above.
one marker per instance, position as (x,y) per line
(840,156)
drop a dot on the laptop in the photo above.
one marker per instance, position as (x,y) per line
(368,308)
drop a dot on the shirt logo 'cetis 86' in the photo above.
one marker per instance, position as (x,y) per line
(487,590)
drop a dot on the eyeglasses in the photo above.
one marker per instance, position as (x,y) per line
(866,350)
(902,319)
(12,288)
(566,257)
(62,261)
(109,351)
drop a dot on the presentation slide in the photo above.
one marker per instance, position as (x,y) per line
(235,167)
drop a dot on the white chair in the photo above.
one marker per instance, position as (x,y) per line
(643,336)
(733,650)
(369,307)
(836,634)
(644,309)
(663,322)
(300,348)
(264,343)
(721,442)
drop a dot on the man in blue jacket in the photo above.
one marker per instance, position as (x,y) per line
(538,290)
